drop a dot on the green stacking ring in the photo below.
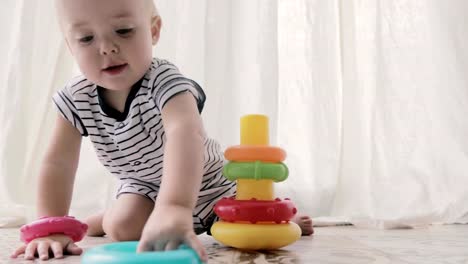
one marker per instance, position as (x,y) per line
(256,171)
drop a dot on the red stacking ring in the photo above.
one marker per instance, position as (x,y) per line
(278,211)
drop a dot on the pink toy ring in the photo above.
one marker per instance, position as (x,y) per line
(47,226)
(229,209)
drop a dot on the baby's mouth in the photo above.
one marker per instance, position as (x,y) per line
(116,69)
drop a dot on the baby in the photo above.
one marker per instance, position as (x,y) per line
(140,113)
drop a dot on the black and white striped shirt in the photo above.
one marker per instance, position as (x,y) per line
(131,144)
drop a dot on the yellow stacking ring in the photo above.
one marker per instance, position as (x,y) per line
(254,153)
(256,236)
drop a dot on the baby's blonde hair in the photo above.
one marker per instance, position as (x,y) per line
(150,3)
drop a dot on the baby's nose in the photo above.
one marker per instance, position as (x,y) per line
(108,47)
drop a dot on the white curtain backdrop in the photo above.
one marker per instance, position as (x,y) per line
(368,97)
(404,152)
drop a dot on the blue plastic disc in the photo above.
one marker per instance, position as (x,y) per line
(125,253)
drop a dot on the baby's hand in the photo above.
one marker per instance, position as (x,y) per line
(167,228)
(58,244)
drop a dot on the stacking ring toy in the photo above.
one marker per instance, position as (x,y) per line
(125,253)
(47,226)
(255,237)
(255,170)
(255,211)
(254,153)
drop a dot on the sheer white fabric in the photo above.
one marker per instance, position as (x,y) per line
(404,149)
(368,98)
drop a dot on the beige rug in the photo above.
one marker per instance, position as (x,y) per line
(217,253)
(437,244)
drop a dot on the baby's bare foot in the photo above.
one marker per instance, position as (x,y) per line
(94,223)
(305,223)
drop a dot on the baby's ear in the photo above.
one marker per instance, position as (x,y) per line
(156,24)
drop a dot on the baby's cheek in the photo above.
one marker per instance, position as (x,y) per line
(89,67)
(142,52)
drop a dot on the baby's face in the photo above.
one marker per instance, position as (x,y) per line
(111,40)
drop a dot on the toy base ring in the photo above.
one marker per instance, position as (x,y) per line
(256,236)
(125,253)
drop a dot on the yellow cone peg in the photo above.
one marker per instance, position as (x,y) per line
(258,189)
(254,130)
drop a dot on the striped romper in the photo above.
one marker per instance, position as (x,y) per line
(131,144)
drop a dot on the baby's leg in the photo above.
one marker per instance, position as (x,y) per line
(125,220)
(94,223)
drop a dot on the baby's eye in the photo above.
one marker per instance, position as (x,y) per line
(124,31)
(86,39)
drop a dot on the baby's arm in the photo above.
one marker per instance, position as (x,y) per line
(183,152)
(55,187)
(57,175)
(171,221)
